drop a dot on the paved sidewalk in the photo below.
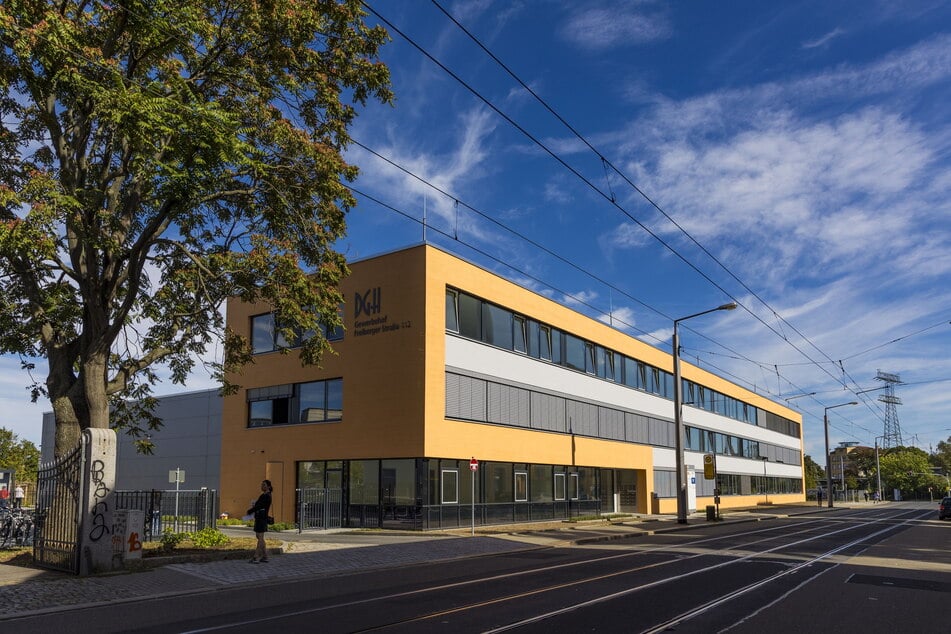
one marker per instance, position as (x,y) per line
(26,591)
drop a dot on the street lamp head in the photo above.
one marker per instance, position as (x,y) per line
(730,306)
(841,405)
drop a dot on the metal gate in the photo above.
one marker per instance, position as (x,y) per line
(319,509)
(59,496)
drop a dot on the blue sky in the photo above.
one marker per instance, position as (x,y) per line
(802,149)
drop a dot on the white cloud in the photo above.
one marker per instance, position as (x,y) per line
(622,318)
(825,39)
(580,298)
(556,192)
(602,28)
(800,193)
(450,171)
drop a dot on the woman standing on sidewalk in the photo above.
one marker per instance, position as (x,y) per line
(260,512)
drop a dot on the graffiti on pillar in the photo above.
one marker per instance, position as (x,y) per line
(99,507)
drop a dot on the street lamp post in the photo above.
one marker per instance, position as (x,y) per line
(678,415)
(825,420)
(878,470)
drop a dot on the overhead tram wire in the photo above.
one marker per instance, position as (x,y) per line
(888,343)
(592,186)
(537,142)
(505,227)
(649,200)
(485,254)
(152,89)
(852,356)
(612,199)
(522,272)
(607,163)
(548,251)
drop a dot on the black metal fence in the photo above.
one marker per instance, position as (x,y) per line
(58,498)
(319,509)
(175,511)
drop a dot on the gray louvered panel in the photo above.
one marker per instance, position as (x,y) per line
(548,412)
(610,423)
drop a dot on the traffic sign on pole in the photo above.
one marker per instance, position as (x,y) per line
(473,467)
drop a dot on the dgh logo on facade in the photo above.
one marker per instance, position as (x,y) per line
(367,304)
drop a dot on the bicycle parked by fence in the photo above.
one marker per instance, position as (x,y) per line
(16,527)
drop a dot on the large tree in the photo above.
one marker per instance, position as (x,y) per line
(941,457)
(812,472)
(908,469)
(157,157)
(19,455)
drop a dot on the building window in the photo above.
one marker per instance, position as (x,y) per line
(521,486)
(336,334)
(266,335)
(542,483)
(559,486)
(450,486)
(314,402)
(320,401)
(496,326)
(520,334)
(498,482)
(272,412)
(694,439)
(630,373)
(262,333)
(574,486)
(590,358)
(452,311)
(483,321)
(574,353)
(544,343)
(557,347)
(470,317)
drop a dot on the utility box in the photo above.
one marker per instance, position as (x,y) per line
(711,513)
(127,528)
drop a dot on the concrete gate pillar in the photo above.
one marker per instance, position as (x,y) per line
(98,504)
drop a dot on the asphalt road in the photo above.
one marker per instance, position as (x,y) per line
(874,569)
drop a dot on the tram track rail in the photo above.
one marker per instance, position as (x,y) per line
(770,544)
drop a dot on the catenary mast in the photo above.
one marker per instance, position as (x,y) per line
(891,437)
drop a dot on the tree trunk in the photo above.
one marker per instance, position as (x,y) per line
(79,402)
(68,429)
(94,381)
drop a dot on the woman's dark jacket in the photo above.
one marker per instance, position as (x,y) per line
(260,512)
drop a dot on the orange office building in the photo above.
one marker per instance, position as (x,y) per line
(442,362)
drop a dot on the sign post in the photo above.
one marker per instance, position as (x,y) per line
(474,468)
(710,473)
(177,476)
